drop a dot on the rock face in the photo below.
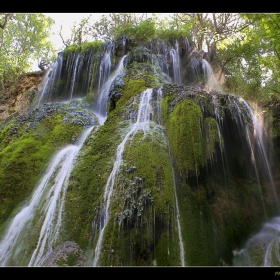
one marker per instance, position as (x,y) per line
(18,98)
(173,175)
(67,254)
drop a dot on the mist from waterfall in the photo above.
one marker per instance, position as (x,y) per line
(211,82)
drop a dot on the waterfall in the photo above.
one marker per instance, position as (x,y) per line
(220,124)
(101,103)
(123,44)
(43,213)
(212,144)
(262,249)
(73,80)
(50,81)
(174,53)
(211,82)
(142,123)
(259,139)
(105,65)
(177,210)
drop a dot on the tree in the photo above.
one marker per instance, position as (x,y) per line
(208,30)
(23,39)
(112,25)
(80,33)
(4,19)
(252,56)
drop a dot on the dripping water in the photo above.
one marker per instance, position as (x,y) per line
(73,80)
(182,250)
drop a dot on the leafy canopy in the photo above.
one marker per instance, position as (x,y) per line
(24,39)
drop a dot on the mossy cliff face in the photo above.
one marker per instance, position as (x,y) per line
(28,143)
(190,163)
(215,197)
(142,225)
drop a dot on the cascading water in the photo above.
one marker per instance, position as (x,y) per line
(101,103)
(174,53)
(142,123)
(50,81)
(43,214)
(205,174)
(38,222)
(104,73)
(262,249)
(258,134)
(211,82)
(74,75)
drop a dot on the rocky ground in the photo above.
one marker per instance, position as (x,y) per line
(67,254)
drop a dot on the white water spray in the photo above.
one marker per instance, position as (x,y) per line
(43,214)
(211,82)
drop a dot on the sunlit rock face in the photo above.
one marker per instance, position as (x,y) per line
(18,98)
(131,156)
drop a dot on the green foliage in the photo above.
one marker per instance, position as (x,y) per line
(96,46)
(25,38)
(142,33)
(170,35)
(252,57)
(112,25)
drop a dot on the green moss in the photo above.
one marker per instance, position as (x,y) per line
(132,87)
(166,252)
(150,156)
(25,153)
(87,182)
(139,77)
(212,136)
(72,49)
(138,205)
(154,199)
(95,46)
(197,227)
(60,135)
(184,134)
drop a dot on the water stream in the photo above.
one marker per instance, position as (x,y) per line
(38,222)
(142,123)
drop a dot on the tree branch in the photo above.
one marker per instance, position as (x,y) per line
(6,17)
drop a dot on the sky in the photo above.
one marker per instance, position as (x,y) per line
(67,20)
